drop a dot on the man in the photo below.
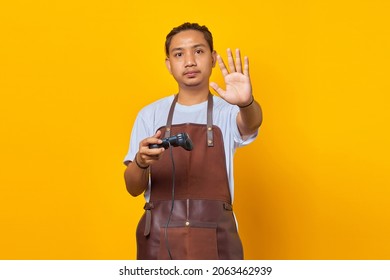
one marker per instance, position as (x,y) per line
(188,210)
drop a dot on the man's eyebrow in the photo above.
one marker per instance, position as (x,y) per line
(177,49)
(198,45)
(192,47)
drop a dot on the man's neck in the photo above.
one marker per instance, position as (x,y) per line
(190,97)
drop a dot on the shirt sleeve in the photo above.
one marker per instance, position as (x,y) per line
(141,130)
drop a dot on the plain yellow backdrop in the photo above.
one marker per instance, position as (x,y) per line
(74,74)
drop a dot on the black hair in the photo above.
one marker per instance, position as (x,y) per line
(189,26)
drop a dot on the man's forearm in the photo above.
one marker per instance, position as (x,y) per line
(249,118)
(136,179)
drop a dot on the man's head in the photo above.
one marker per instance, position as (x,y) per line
(190,55)
(189,26)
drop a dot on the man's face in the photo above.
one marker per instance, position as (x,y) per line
(190,59)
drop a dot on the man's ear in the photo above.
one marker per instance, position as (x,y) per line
(168,65)
(214,57)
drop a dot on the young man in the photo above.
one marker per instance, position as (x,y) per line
(188,210)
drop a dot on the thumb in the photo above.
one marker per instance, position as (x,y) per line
(157,134)
(216,87)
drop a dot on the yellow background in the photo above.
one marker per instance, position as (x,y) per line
(73,75)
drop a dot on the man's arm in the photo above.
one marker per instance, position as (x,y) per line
(249,118)
(239,92)
(137,172)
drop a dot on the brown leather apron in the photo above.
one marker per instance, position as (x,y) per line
(202,224)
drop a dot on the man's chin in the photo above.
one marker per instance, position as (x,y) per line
(192,84)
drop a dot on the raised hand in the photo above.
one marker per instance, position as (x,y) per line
(238,85)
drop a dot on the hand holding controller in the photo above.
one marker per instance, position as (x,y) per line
(181,139)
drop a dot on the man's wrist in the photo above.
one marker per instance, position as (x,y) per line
(137,163)
(249,104)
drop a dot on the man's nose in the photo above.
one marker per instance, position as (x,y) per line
(190,60)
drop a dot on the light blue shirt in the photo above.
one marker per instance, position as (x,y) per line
(154,116)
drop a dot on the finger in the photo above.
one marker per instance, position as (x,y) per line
(157,134)
(231,61)
(147,153)
(246,66)
(216,87)
(222,66)
(238,61)
(149,156)
(151,153)
(155,139)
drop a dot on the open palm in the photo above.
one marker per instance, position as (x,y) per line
(238,85)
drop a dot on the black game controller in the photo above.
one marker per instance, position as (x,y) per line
(179,140)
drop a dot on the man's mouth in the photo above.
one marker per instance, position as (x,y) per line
(191,73)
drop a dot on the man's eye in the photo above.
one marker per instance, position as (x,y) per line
(178,54)
(199,51)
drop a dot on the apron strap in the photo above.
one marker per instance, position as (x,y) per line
(170,117)
(210,138)
(148,214)
(209,134)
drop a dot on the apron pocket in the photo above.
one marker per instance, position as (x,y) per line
(197,241)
